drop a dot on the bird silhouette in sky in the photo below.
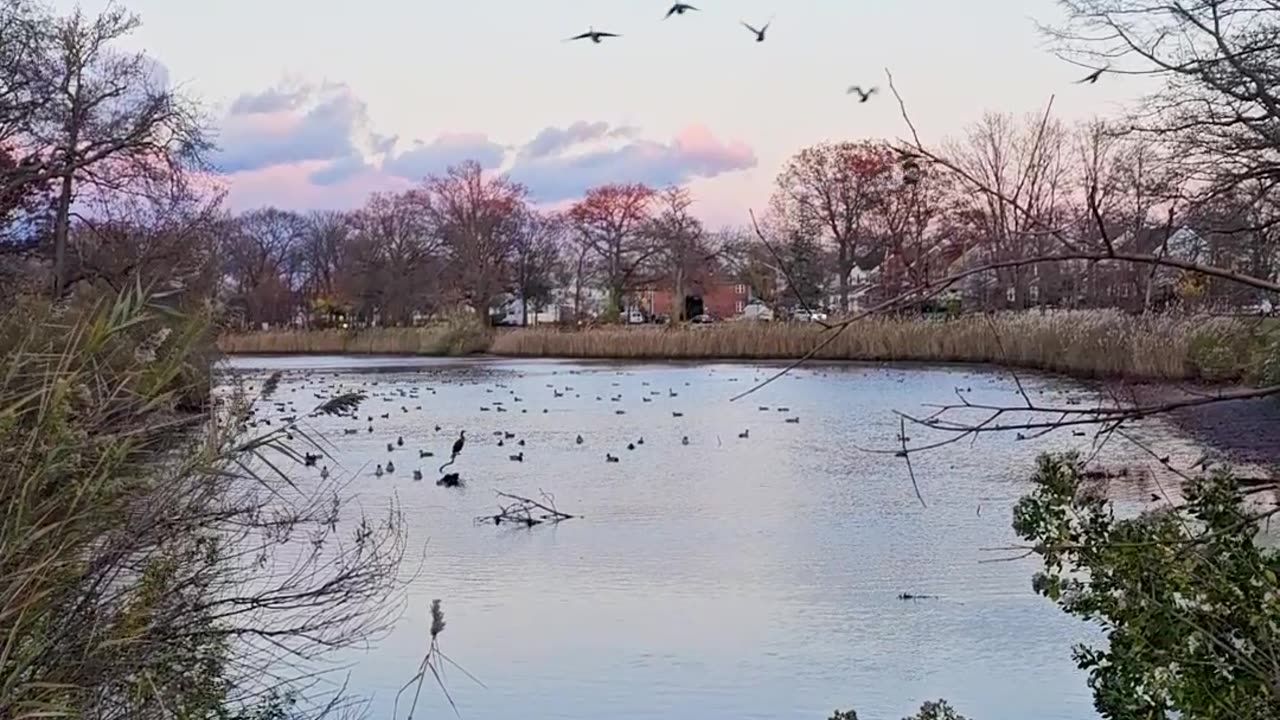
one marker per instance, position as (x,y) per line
(759,33)
(863,95)
(593,35)
(679,9)
(1092,77)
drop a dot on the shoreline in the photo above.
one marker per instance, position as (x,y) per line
(1089,345)
(1241,430)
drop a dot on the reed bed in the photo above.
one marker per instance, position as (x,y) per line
(1080,343)
(448,338)
(1083,343)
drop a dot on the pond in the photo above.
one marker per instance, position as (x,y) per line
(727,578)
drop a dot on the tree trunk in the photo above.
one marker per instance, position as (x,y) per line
(61,229)
(677,300)
(845,267)
(524,309)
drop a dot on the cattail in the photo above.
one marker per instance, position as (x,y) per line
(437,619)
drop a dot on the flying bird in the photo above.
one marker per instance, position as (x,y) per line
(863,95)
(1092,77)
(759,33)
(593,35)
(679,9)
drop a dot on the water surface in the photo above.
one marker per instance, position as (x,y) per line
(729,578)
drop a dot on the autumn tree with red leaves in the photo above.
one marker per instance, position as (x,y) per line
(612,223)
(834,189)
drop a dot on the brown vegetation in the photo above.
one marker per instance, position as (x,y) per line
(1087,343)
(1084,344)
(454,337)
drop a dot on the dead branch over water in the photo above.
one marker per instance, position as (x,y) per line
(526,512)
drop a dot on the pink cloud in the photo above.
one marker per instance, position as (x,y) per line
(312,147)
(291,186)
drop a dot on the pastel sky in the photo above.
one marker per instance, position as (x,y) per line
(318,102)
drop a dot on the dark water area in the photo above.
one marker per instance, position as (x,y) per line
(729,578)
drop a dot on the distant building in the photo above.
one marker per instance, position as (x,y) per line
(719,296)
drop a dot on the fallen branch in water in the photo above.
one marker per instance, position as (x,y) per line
(525,511)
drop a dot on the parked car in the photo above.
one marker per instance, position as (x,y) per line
(756,310)
(703,319)
(809,316)
(635,317)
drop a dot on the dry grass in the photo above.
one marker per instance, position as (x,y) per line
(457,337)
(1085,343)
(1080,343)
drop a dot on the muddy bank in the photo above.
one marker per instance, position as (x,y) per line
(1244,431)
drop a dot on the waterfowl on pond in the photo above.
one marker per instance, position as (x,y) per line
(744,434)
(425,454)
(378,470)
(684,440)
(518,457)
(391,467)
(324,472)
(610,458)
(579,440)
(417,474)
(400,441)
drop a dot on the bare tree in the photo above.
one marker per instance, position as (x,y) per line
(264,263)
(916,226)
(1219,105)
(1023,160)
(398,229)
(105,121)
(834,189)
(168,243)
(325,251)
(536,251)
(686,255)
(477,219)
(612,223)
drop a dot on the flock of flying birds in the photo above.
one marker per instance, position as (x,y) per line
(680,8)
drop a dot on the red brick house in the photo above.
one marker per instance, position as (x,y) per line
(718,296)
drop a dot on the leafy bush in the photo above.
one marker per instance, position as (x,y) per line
(1188,599)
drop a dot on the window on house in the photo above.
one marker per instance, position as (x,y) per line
(1034,293)
(739,306)
(1010,294)
(740,289)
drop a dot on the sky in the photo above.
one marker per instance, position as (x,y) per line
(317,103)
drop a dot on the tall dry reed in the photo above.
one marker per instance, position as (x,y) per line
(1093,343)
(457,337)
